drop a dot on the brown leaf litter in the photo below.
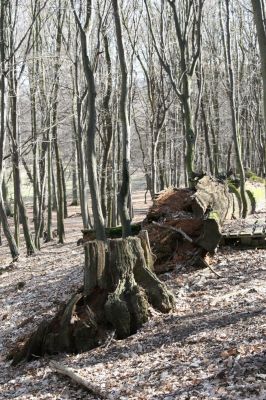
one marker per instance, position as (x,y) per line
(211,347)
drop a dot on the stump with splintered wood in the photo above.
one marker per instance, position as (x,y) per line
(119,288)
(184,225)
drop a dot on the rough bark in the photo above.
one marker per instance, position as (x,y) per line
(118,289)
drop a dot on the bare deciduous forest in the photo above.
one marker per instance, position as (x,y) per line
(132,199)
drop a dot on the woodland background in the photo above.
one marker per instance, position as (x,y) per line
(186,75)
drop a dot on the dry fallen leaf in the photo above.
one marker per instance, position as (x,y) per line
(229,352)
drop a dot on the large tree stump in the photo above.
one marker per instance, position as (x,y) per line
(119,288)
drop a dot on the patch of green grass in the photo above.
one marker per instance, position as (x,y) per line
(251,176)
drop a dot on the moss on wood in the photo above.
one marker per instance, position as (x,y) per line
(111,233)
(252,201)
(237,199)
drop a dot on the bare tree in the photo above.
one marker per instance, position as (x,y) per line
(188,34)
(123,195)
(260,21)
(233,107)
(91,125)
(11,241)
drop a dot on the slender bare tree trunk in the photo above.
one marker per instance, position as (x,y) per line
(91,126)
(235,125)
(54,121)
(22,214)
(3,218)
(125,186)
(79,141)
(260,21)
(74,174)
(108,128)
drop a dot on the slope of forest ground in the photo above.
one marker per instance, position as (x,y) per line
(211,347)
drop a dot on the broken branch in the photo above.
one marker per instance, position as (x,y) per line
(63,370)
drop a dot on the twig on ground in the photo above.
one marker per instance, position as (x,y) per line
(210,267)
(63,370)
(109,339)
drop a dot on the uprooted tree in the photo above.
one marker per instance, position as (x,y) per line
(184,225)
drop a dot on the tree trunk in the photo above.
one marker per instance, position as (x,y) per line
(75,201)
(54,194)
(54,128)
(79,139)
(10,238)
(8,234)
(119,286)
(60,192)
(259,17)
(233,109)
(91,125)
(123,195)
(108,130)
(20,213)
(207,137)
(49,189)
(64,189)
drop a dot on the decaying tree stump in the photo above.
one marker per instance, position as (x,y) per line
(119,287)
(194,219)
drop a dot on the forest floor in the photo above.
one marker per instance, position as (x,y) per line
(212,346)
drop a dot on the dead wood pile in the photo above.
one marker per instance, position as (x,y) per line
(185,224)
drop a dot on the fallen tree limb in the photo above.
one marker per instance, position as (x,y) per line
(63,370)
(177,230)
